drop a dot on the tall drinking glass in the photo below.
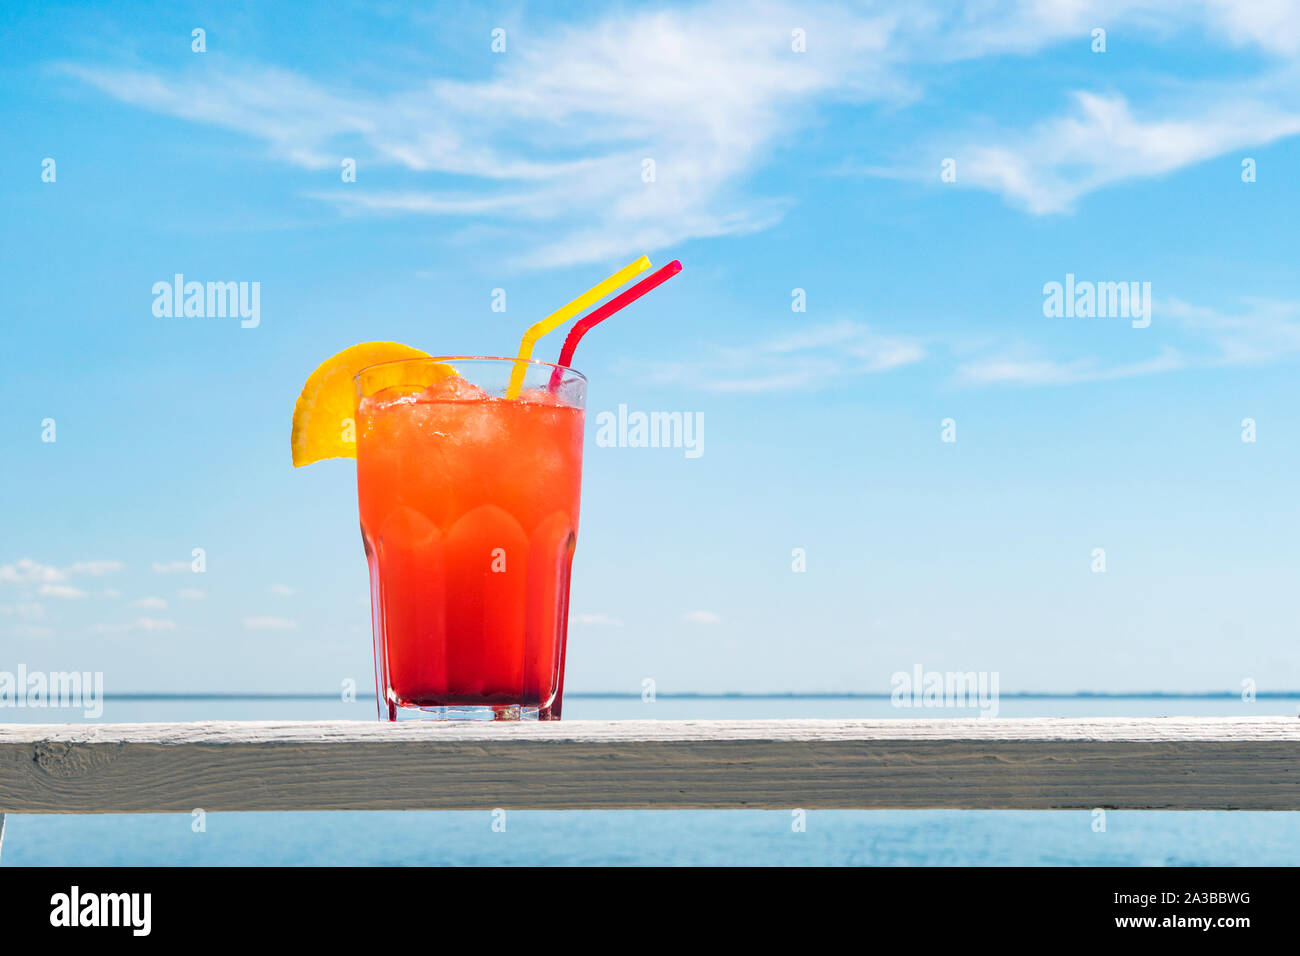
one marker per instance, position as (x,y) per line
(469,514)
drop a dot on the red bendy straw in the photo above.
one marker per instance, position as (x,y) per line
(576,333)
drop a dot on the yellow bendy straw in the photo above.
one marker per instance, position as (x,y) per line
(563,314)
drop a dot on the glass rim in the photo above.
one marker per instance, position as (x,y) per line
(469,358)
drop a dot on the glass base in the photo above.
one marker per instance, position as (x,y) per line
(404,712)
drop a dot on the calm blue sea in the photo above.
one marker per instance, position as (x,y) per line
(925,837)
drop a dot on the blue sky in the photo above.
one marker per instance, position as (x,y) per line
(775,170)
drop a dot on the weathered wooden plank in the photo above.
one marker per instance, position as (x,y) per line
(1175,763)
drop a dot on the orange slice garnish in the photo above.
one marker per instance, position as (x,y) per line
(324,418)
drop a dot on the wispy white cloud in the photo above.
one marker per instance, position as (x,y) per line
(812,357)
(1024,369)
(170,567)
(552,144)
(556,143)
(155,603)
(190,594)
(1272,25)
(151,624)
(598,619)
(958,32)
(29,571)
(61,591)
(28,611)
(155,624)
(1102,142)
(1259,331)
(96,568)
(281,590)
(702,617)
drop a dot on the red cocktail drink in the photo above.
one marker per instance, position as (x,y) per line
(469,513)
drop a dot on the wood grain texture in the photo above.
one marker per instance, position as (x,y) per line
(1172,763)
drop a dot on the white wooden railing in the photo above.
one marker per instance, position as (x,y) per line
(1172,763)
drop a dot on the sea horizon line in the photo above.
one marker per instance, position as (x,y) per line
(726,695)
